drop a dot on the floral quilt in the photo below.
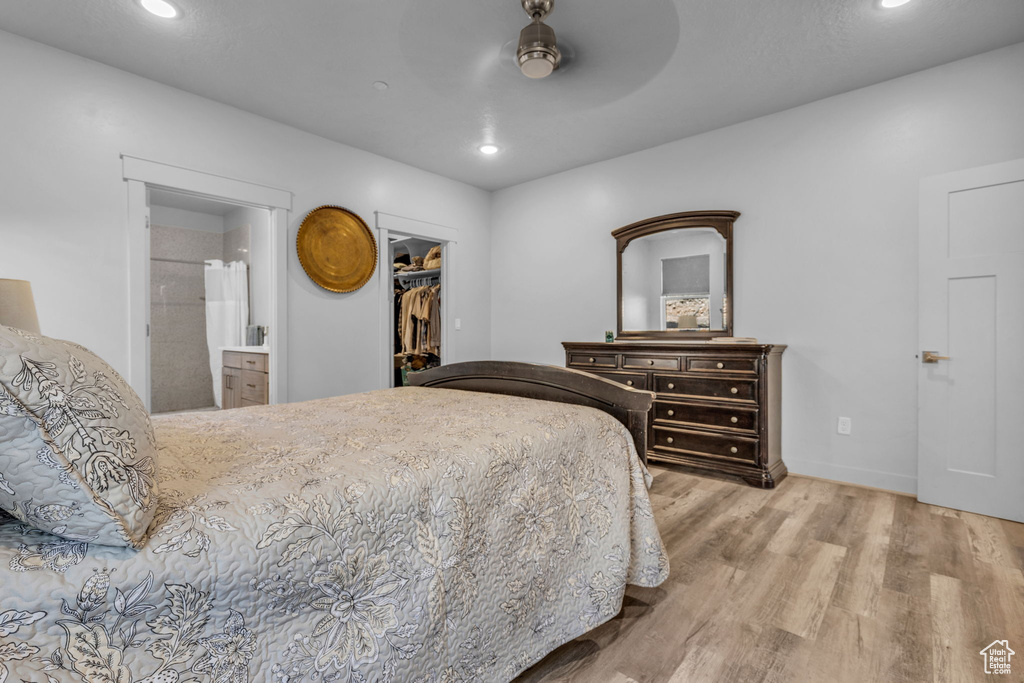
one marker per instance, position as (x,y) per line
(412,535)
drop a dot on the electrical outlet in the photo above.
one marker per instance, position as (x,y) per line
(845,426)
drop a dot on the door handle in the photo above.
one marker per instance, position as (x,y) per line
(932,357)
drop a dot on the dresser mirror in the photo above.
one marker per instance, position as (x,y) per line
(675,276)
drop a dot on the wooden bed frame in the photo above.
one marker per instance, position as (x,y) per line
(547,383)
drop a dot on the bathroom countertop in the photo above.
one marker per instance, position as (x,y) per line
(246,349)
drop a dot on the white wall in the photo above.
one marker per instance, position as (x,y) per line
(181,218)
(67,120)
(825,251)
(260,264)
(637,284)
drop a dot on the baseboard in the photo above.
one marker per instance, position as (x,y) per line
(844,474)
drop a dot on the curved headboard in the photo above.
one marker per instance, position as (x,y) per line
(547,383)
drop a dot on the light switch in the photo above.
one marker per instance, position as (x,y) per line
(458,323)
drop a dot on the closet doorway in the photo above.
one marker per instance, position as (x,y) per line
(416,296)
(416,305)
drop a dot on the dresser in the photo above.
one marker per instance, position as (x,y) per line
(717,407)
(245,379)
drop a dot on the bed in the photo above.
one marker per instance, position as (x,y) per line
(456,530)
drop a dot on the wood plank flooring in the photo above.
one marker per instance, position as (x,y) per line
(813,581)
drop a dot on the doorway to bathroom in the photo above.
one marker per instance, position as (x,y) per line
(209,277)
(207,286)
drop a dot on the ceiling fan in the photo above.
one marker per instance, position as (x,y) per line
(538,54)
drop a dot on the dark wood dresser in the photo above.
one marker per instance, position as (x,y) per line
(717,407)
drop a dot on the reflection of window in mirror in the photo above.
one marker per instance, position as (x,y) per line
(686,312)
(686,293)
(674,281)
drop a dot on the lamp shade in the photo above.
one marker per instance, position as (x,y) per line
(17,308)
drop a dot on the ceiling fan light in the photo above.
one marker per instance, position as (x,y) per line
(536,65)
(538,53)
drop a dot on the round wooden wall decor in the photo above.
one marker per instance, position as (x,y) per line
(336,249)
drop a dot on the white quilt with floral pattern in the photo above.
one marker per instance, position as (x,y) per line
(402,535)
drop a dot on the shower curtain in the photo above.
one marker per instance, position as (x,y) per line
(227,313)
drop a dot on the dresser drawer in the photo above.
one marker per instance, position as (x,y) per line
(254,361)
(634,380)
(710,387)
(719,416)
(746,365)
(705,444)
(650,363)
(254,386)
(232,359)
(583,360)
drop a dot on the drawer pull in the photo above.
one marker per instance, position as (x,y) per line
(650,362)
(721,365)
(671,386)
(592,360)
(734,390)
(670,439)
(251,386)
(671,413)
(734,419)
(629,382)
(734,450)
(251,362)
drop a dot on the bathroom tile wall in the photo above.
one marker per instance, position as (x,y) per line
(237,245)
(180,361)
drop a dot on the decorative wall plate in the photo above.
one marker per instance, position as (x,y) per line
(336,249)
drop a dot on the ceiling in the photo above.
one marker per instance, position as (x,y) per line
(639,74)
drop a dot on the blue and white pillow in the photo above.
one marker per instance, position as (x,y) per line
(77,450)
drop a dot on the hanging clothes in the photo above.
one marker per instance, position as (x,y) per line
(420,320)
(227,312)
(399,292)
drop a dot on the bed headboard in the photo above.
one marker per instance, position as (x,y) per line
(547,383)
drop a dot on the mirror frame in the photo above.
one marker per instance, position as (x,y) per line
(722,221)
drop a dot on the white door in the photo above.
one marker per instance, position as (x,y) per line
(971,288)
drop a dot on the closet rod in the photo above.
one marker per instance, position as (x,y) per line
(425,282)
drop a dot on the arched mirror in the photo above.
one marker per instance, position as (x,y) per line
(675,276)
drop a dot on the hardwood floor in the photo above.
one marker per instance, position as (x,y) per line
(812,581)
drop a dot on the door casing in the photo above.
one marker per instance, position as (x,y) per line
(140,174)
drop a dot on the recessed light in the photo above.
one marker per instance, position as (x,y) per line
(488,149)
(889,4)
(161,8)
(380,85)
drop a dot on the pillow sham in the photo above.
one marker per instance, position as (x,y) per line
(77,450)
